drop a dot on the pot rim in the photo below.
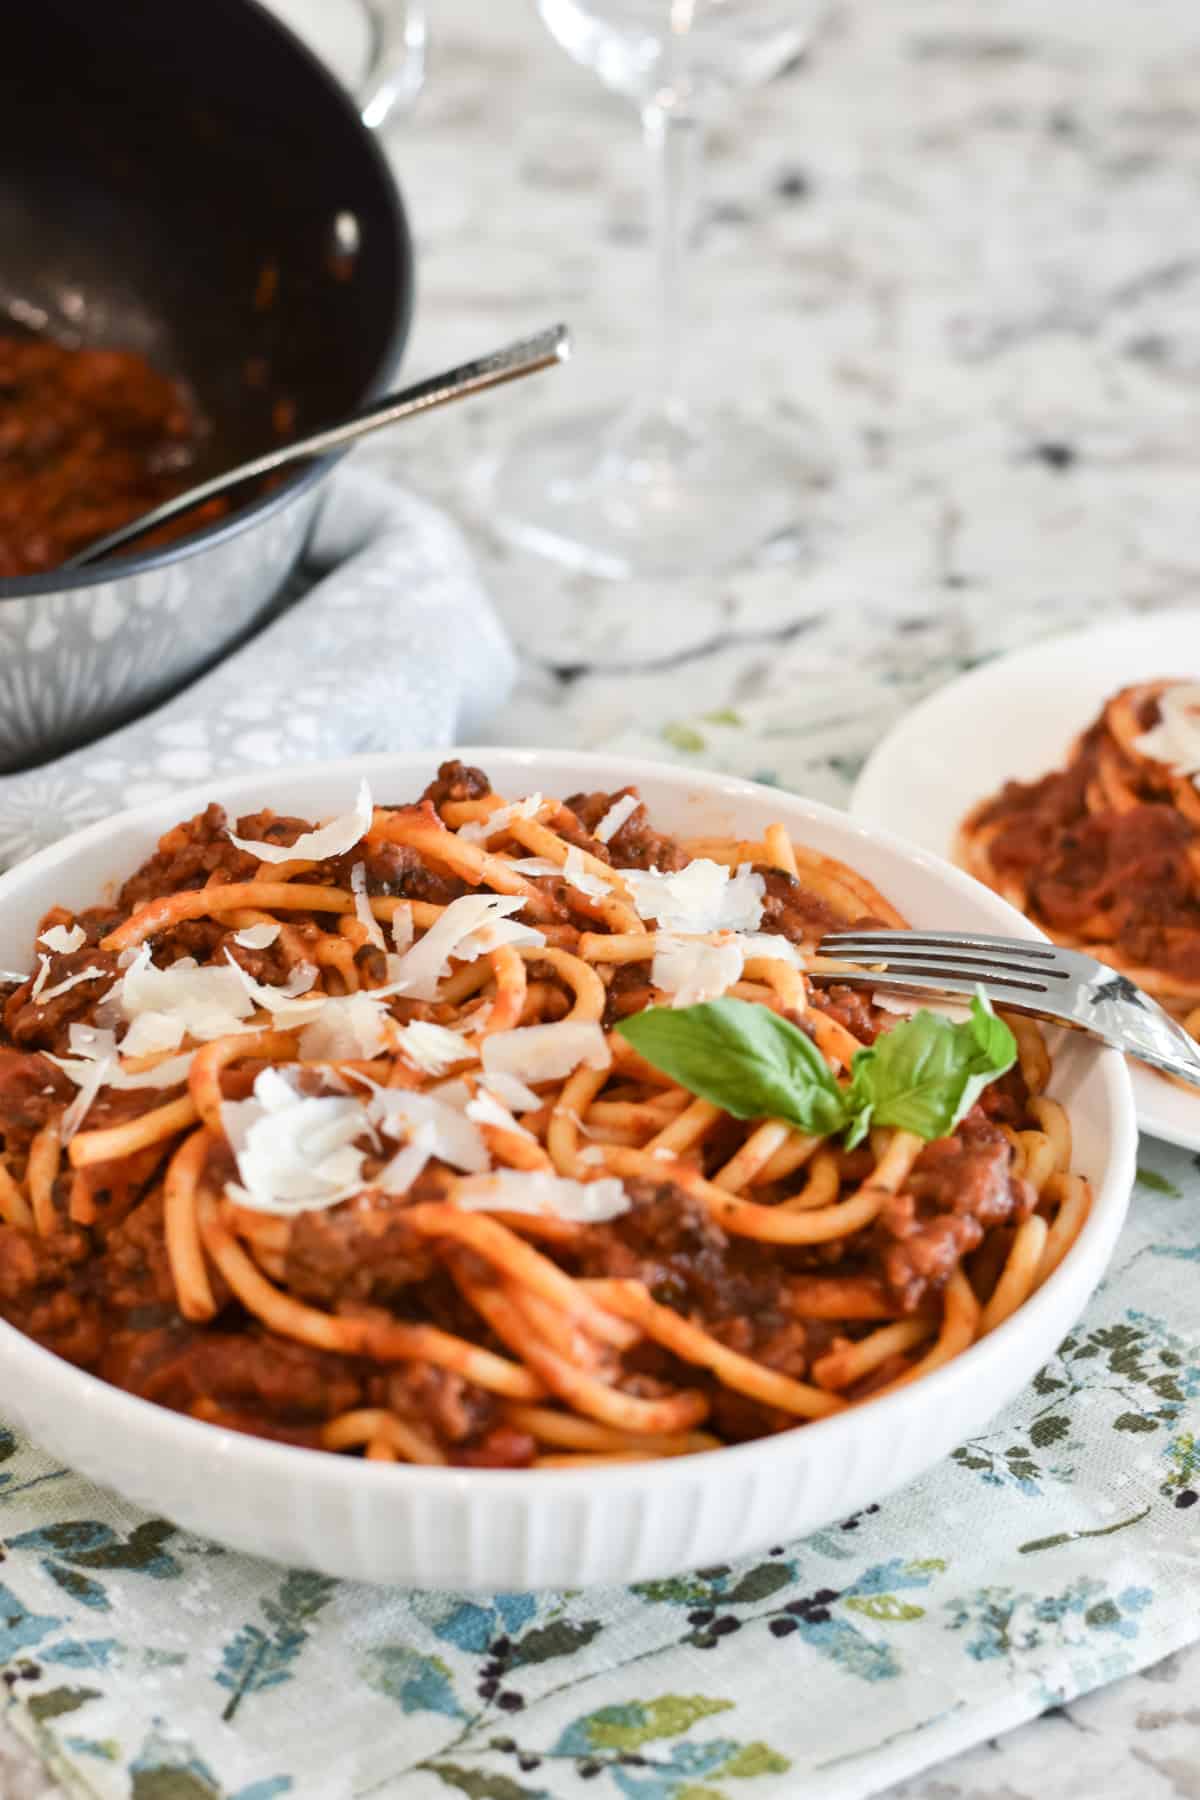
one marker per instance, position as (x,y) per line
(62,581)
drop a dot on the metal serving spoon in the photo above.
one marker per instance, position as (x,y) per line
(525,357)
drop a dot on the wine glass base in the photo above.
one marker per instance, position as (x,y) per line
(656,495)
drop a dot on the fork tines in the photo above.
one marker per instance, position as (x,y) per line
(953,961)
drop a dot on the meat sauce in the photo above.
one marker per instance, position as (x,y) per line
(89,439)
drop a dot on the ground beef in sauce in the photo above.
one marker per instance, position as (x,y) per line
(187,857)
(854,1011)
(636,845)
(959,1188)
(31,1089)
(249,1370)
(334,1256)
(669,1241)
(456,781)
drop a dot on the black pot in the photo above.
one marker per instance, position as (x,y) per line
(183,178)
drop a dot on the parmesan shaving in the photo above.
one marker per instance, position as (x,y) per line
(701,897)
(512,1093)
(535,865)
(151,1032)
(256,937)
(536,1053)
(615,817)
(41,978)
(691,970)
(478,831)
(93,973)
(348,1026)
(545,1195)
(1175,740)
(295,1153)
(398,1175)
(467,929)
(402,927)
(485,1109)
(93,1076)
(580,878)
(333,839)
(771,944)
(284,1003)
(449,1134)
(92,1048)
(60,938)
(204,1003)
(433,1048)
(362,906)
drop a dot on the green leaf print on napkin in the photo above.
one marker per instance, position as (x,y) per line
(253,1661)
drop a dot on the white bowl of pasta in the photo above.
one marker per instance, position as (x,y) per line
(578,1299)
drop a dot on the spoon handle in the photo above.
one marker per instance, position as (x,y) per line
(525,357)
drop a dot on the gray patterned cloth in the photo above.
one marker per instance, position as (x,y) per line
(396,646)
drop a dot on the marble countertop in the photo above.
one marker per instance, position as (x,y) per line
(960,243)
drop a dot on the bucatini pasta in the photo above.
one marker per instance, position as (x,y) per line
(343,1135)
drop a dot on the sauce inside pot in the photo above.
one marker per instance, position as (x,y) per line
(88,440)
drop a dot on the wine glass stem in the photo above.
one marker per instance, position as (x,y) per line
(674,140)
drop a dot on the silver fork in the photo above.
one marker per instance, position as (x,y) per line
(1026,976)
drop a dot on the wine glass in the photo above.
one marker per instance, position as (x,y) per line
(662,487)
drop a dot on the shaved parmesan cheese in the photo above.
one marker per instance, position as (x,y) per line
(362,906)
(348,1026)
(512,1093)
(467,929)
(398,1175)
(256,937)
(477,831)
(284,1003)
(90,1041)
(538,1192)
(771,944)
(591,1154)
(204,1003)
(1175,740)
(691,971)
(615,817)
(536,1053)
(295,1153)
(581,878)
(92,1049)
(485,1109)
(702,897)
(151,1032)
(92,1077)
(433,1048)
(535,865)
(41,978)
(60,938)
(168,1073)
(402,927)
(62,987)
(334,839)
(450,1136)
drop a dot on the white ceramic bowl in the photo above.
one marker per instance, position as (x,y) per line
(506,1529)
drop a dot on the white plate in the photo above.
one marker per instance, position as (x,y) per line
(511,1529)
(1014,719)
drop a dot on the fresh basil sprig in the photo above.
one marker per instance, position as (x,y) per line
(921,1076)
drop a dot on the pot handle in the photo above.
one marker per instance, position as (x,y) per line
(397,71)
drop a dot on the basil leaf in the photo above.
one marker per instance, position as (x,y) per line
(927,1072)
(744,1058)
